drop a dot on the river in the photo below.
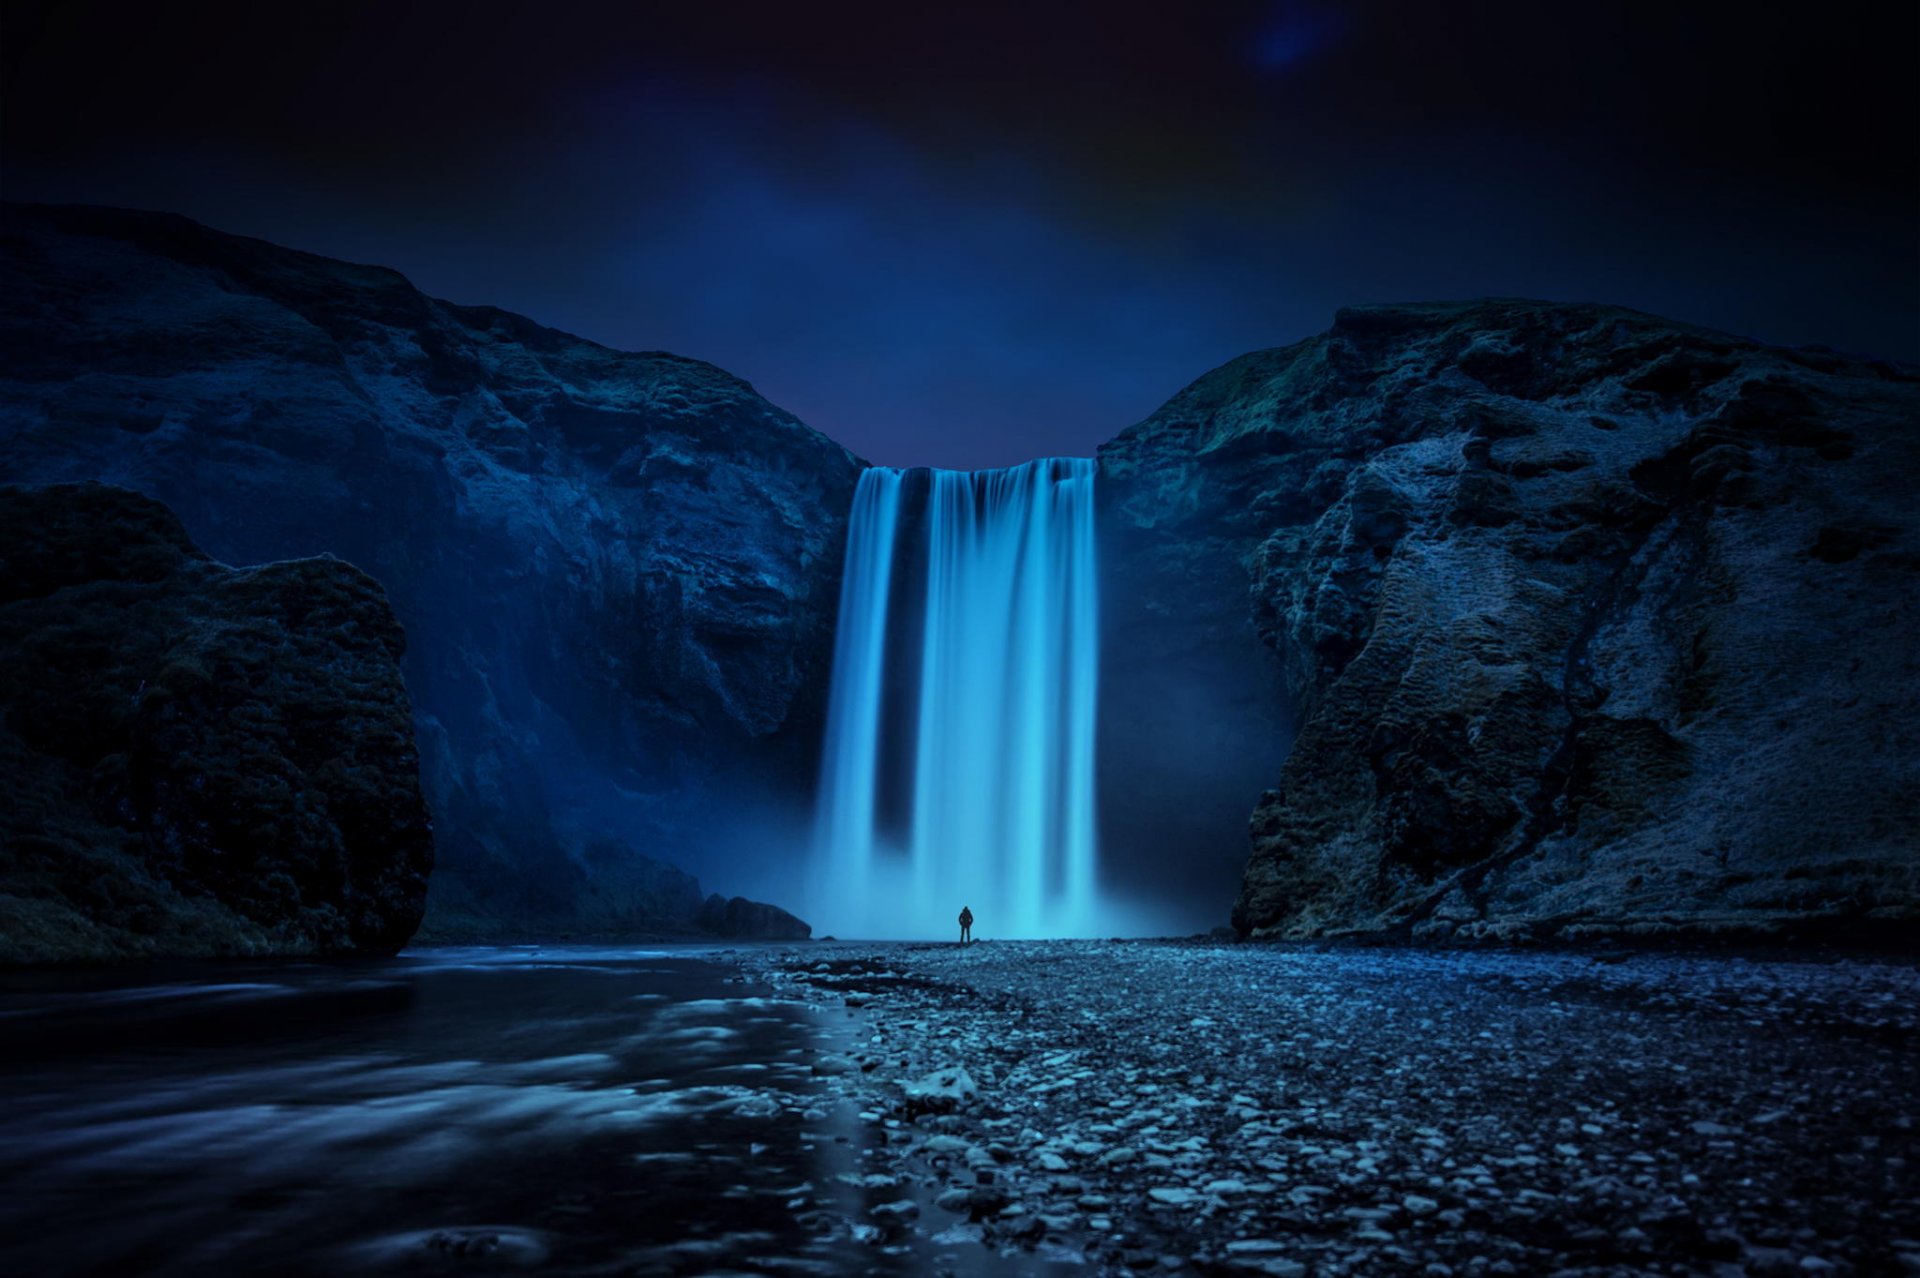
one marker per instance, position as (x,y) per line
(462,1110)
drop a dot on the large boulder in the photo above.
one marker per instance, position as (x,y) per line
(618,571)
(197,759)
(1592,622)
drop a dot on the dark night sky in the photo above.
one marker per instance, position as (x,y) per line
(968,235)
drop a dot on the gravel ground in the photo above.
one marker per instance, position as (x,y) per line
(1171,1107)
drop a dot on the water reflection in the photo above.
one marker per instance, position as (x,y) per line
(456,1111)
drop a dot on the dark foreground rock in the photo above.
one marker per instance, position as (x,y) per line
(1594,622)
(617,572)
(1246,1110)
(623,896)
(628,898)
(746,920)
(196,759)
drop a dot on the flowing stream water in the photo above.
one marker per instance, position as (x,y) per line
(959,760)
(465,1111)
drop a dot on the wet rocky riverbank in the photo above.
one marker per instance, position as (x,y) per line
(561,1110)
(1011,1108)
(1160,1107)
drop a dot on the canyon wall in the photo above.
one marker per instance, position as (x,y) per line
(1592,622)
(1530,620)
(617,572)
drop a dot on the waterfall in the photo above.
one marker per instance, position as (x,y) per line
(958,763)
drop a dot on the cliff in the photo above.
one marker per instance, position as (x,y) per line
(199,759)
(1592,622)
(1538,620)
(618,572)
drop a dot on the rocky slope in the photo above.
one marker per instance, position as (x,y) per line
(618,572)
(1593,621)
(198,759)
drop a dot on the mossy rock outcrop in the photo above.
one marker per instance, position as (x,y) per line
(197,759)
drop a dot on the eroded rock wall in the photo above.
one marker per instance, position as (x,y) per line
(618,571)
(1593,622)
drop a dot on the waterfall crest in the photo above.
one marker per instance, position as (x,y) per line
(958,767)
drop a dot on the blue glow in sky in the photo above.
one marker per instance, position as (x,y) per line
(969,238)
(1294,31)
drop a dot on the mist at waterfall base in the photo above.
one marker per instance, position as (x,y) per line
(959,763)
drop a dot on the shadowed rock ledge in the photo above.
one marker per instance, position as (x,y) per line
(199,760)
(746,920)
(1595,622)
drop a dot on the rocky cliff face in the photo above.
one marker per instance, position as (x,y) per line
(618,571)
(1593,622)
(1547,619)
(198,759)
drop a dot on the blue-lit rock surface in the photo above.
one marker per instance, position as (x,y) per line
(1592,621)
(1249,1110)
(617,571)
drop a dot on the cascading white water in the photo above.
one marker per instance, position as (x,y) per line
(959,758)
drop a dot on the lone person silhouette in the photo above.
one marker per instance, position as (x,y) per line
(966,925)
